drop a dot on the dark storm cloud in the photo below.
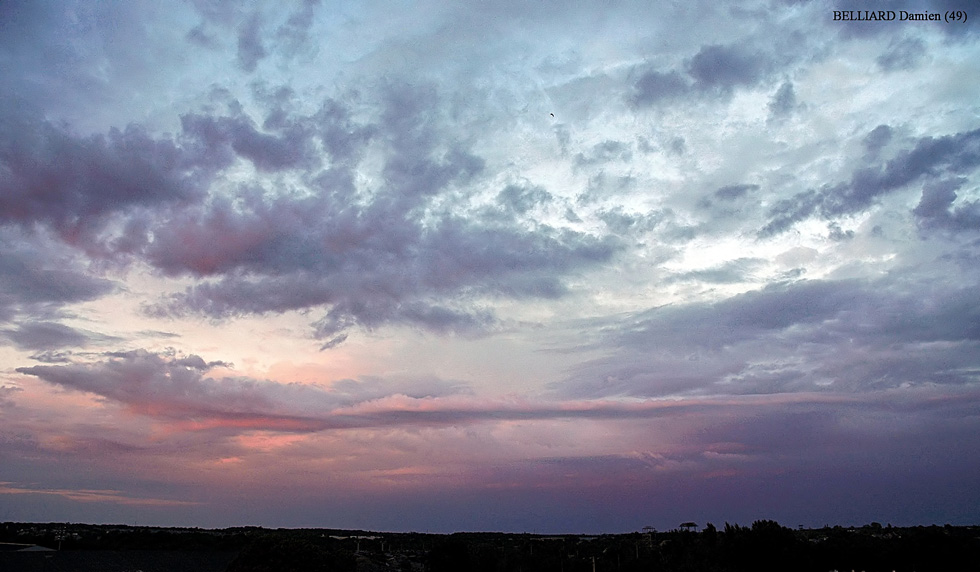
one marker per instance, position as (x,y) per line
(929,158)
(752,439)
(340,134)
(902,431)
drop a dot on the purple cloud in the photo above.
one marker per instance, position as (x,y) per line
(386,257)
(781,339)
(32,283)
(73,183)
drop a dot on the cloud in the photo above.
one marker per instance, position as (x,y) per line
(745,316)
(714,71)
(654,87)
(878,138)
(605,152)
(548,304)
(391,254)
(936,211)
(6,392)
(38,280)
(199,36)
(47,336)
(73,183)
(390,251)
(227,136)
(783,102)
(520,200)
(295,31)
(902,54)
(930,157)
(833,336)
(723,68)
(173,387)
(92,496)
(623,223)
(376,268)
(732,192)
(250,47)
(737,270)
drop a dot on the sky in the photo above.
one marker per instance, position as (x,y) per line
(494,265)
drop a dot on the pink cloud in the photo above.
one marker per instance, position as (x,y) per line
(176,389)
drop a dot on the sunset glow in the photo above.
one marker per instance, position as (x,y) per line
(497,265)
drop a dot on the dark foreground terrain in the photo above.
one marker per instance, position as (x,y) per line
(763,546)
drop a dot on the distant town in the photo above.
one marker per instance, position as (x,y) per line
(765,545)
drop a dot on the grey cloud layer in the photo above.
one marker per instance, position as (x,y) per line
(834,336)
